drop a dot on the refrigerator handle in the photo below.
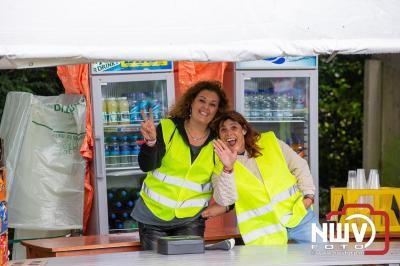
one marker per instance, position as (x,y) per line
(99,153)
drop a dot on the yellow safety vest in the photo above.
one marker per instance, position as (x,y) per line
(178,188)
(265,209)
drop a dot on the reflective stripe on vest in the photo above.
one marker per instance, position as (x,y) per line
(269,207)
(172,203)
(253,235)
(180,182)
(285,218)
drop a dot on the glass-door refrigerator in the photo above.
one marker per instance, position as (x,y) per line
(119,91)
(281,94)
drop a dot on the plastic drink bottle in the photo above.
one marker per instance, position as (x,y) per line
(114,152)
(134,111)
(105,112)
(122,195)
(107,153)
(112,108)
(156,108)
(124,149)
(123,108)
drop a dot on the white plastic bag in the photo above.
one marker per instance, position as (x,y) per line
(47,187)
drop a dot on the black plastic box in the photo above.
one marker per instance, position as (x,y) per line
(174,245)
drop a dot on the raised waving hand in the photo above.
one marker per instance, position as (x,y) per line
(147,127)
(225,154)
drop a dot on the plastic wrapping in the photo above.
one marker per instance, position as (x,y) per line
(45,184)
(75,79)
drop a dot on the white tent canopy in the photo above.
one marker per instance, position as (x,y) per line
(47,32)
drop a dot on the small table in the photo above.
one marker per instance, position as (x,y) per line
(100,244)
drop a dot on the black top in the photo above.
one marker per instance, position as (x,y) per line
(150,159)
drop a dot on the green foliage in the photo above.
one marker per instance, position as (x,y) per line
(39,81)
(340,122)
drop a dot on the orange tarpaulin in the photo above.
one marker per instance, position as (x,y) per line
(75,79)
(188,73)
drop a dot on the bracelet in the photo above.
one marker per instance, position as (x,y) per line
(151,142)
(227,171)
(309,196)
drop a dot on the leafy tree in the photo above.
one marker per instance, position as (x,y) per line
(340,122)
(39,81)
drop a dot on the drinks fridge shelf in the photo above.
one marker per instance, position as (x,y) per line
(121,151)
(121,202)
(272,115)
(127,110)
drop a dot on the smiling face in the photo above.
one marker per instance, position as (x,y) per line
(204,107)
(232,133)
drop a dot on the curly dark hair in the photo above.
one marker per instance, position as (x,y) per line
(251,137)
(182,107)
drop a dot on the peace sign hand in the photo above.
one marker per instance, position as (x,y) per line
(225,154)
(147,127)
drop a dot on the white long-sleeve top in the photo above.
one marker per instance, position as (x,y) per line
(225,193)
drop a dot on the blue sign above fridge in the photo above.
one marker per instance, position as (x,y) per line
(288,62)
(131,67)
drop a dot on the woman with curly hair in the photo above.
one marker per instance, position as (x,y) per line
(179,159)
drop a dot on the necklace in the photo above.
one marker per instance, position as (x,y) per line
(196,138)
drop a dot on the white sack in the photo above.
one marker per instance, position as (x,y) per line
(47,190)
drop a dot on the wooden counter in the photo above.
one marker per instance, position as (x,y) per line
(99,244)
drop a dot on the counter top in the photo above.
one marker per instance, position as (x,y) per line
(293,254)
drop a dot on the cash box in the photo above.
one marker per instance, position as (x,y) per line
(174,245)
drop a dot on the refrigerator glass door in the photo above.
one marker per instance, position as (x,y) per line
(277,101)
(118,101)
(285,102)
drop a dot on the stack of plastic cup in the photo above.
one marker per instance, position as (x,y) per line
(352,179)
(373,183)
(373,179)
(361,183)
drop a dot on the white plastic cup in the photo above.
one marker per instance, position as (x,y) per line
(352,179)
(373,183)
(361,181)
(373,179)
